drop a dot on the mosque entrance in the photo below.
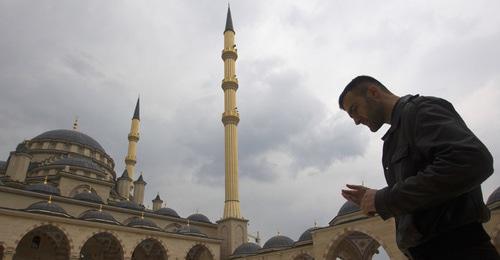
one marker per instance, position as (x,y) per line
(44,243)
(102,246)
(199,252)
(356,246)
(149,249)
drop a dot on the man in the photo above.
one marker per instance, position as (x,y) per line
(434,166)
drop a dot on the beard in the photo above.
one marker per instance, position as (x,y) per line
(375,115)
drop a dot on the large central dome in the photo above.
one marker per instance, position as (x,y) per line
(70,136)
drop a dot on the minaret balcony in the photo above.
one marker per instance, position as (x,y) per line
(132,137)
(230,83)
(229,54)
(230,117)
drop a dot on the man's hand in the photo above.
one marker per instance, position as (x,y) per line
(362,196)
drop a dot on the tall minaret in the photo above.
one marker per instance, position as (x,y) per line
(230,119)
(133,138)
(232,228)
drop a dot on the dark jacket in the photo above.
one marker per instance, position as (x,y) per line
(434,166)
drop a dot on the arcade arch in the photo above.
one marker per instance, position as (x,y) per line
(102,246)
(199,252)
(354,245)
(45,243)
(149,249)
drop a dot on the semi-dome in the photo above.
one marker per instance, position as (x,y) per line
(140,222)
(167,212)
(98,216)
(69,136)
(128,205)
(88,196)
(47,207)
(307,235)
(347,208)
(278,242)
(199,217)
(79,162)
(495,196)
(190,230)
(247,248)
(43,188)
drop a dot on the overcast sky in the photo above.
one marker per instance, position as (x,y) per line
(91,59)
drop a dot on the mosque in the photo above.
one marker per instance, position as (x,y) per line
(61,198)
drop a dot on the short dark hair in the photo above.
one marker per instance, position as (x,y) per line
(360,83)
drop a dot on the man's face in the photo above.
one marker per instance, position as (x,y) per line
(364,110)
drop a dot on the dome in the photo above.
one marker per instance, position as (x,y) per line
(70,136)
(99,216)
(167,212)
(246,249)
(88,196)
(199,217)
(78,162)
(128,205)
(140,222)
(43,188)
(192,231)
(495,196)
(278,242)
(46,207)
(307,235)
(347,208)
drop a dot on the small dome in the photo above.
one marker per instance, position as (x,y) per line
(167,212)
(246,249)
(46,207)
(190,230)
(129,205)
(139,222)
(43,188)
(21,148)
(79,162)
(199,217)
(495,196)
(307,235)
(99,216)
(347,208)
(69,136)
(278,242)
(88,196)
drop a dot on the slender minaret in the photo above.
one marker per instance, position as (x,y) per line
(232,228)
(230,119)
(133,138)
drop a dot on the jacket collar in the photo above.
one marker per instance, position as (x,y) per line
(396,115)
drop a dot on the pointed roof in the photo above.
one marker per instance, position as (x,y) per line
(136,111)
(125,176)
(229,21)
(157,197)
(140,180)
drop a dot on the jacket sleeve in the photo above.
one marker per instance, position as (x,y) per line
(458,161)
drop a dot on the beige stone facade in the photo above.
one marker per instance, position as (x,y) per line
(60,198)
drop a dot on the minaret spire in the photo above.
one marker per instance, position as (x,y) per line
(230,119)
(133,138)
(229,20)
(136,111)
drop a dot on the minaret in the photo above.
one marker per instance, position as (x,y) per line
(232,228)
(230,119)
(133,138)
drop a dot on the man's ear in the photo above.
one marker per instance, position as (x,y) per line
(372,91)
